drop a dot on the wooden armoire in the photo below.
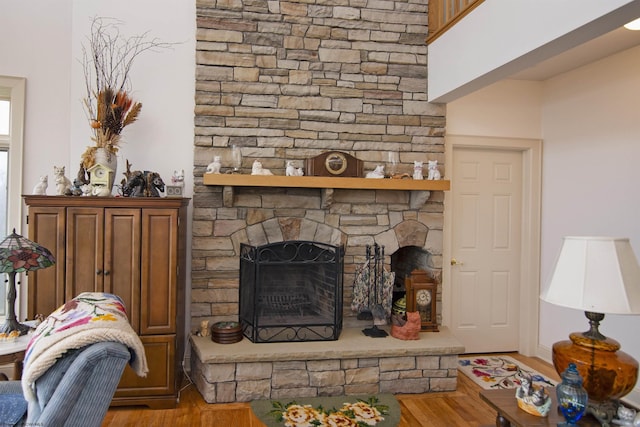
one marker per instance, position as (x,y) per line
(131,247)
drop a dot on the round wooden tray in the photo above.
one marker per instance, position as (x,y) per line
(226,332)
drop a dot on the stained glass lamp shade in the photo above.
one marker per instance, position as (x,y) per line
(17,255)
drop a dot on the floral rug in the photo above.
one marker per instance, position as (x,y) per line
(381,410)
(494,372)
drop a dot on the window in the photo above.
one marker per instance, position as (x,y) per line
(12,101)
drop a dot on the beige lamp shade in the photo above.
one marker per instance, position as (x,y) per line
(596,274)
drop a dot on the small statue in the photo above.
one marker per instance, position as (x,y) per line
(432,167)
(204,329)
(214,167)
(82,176)
(627,417)
(86,189)
(257,169)
(532,399)
(377,173)
(63,184)
(154,184)
(41,187)
(290,169)
(177,179)
(76,188)
(406,329)
(417,170)
(100,190)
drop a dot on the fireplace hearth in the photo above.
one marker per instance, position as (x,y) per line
(291,291)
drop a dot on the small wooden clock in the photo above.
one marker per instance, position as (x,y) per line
(421,297)
(334,163)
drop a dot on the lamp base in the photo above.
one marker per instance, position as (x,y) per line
(13,325)
(606,373)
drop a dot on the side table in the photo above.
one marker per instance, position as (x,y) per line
(13,352)
(509,414)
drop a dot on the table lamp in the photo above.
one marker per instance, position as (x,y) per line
(599,275)
(19,254)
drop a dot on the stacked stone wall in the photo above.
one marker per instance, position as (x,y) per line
(286,81)
(247,381)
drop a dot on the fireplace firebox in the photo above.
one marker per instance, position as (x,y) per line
(291,291)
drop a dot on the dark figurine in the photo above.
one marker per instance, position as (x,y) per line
(143,184)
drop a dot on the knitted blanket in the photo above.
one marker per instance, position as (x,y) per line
(89,318)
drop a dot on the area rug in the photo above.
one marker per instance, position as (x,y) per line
(381,410)
(494,372)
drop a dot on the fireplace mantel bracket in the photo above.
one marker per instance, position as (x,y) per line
(420,189)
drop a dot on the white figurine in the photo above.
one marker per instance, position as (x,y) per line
(432,167)
(257,169)
(177,179)
(214,167)
(100,191)
(290,169)
(86,189)
(417,170)
(41,187)
(378,172)
(63,184)
(627,417)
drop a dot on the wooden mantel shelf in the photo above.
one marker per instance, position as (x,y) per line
(239,180)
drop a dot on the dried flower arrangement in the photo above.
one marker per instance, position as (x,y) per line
(107,64)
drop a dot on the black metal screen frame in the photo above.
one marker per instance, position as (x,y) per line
(303,254)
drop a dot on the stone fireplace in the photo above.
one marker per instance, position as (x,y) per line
(284,82)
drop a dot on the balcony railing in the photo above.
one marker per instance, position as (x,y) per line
(443,14)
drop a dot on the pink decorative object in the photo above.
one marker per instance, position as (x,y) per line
(410,329)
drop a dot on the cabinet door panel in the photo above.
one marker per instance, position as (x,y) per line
(122,259)
(159,267)
(85,251)
(160,351)
(46,286)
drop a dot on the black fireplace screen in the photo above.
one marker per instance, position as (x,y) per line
(291,291)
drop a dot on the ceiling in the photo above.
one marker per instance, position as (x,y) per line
(593,50)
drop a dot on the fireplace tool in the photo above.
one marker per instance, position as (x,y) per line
(375,263)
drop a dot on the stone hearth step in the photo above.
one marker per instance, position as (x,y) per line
(353,364)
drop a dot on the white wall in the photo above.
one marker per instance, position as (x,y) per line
(42,41)
(35,43)
(591,176)
(501,37)
(590,124)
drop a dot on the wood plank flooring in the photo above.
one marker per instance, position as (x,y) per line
(460,408)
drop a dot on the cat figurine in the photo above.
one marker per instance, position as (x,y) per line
(177,179)
(432,167)
(417,170)
(290,169)
(214,167)
(41,187)
(63,184)
(257,169)
(377,173)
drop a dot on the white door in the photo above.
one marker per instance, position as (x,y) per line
(486,237)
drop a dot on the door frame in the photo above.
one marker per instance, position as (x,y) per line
(529,305)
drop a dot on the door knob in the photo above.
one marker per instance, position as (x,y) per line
(455,262)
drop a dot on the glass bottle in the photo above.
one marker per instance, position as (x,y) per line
(572,397)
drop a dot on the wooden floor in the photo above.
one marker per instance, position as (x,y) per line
(460,408)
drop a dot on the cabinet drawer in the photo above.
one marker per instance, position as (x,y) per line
(161,379)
